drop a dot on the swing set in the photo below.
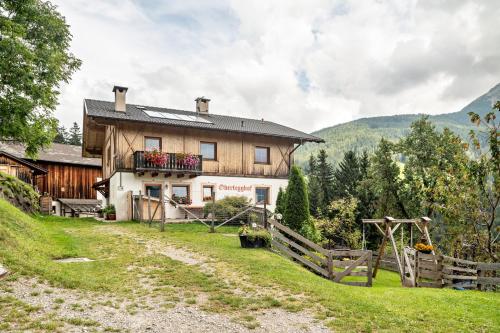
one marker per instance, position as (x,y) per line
(388,227)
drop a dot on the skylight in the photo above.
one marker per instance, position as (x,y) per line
(176,116)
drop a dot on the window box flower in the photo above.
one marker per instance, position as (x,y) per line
(423,248)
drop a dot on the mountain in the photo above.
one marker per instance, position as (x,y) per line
(365,133)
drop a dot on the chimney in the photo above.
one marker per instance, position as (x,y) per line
(120,101)
(202,104)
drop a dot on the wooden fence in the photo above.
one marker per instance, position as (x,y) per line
(336,265)
(437,271)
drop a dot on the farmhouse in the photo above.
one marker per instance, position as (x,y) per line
(187,155)
(59,172)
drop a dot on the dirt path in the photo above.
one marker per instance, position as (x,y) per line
(147,312)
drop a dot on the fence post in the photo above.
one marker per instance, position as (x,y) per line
(416,268)
(162,210)
(140,206)
(330,265)
(212,225)
(265,211)
(480,273)
(149,207)
(369,263)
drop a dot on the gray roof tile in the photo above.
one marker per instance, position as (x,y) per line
(57,152)
(103,109)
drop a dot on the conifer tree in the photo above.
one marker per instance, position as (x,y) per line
(313,188)
(347,176)
(296,214)
(325,179)
(62,135)
(75,135)
(280,201)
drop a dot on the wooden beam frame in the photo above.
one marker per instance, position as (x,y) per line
(387,227)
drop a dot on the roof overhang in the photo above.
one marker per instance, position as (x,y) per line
(92,135)
(102,121)
(36,169)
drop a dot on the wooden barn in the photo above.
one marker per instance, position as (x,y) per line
(59,172)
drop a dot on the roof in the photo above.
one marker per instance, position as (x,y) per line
(82,205)
(56,153)
(105,110)
(22,161)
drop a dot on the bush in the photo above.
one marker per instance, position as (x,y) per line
(18,193)
(255,234)
(110,209)
(227,207)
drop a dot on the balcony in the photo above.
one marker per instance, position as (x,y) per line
(167,163)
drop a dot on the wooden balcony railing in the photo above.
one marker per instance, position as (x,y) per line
(173,163)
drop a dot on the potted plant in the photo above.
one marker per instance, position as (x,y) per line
(189,160)
(110,212)
(423,248)
(254,238)
(156,157)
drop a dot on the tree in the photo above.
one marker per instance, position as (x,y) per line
(313,188)
(325,179)
(280,201)
(339,226)
(296,214)
(384,179)
(347,175)
(62,135)
(75,135)
(34,60)
(486,174)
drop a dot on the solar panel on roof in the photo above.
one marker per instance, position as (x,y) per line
(176,116)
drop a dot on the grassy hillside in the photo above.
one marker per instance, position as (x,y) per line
(365,133)
(231,281)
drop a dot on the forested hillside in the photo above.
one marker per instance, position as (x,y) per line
(364,134)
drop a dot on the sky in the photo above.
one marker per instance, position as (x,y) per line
(306,64)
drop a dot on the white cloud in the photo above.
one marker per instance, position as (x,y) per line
(307,64)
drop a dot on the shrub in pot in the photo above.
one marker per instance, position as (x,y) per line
(254,238)
(110,212)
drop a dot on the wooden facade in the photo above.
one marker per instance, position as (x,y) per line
(70,181)
(235,151)
(25,171)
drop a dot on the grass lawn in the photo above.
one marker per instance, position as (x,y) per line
(29,245)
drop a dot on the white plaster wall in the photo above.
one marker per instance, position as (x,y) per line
(224,186)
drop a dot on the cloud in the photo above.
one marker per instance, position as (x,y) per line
(306,64)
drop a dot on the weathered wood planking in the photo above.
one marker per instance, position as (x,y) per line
(70,181)
(235,151)
(300,258)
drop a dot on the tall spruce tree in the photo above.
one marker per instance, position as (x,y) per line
(347,176)
(62,135)
(325,180)
(280,201)
(75,135)
(313,188)
(296,214)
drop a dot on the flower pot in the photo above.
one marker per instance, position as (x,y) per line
(111,216)
(247,243)
(425,251)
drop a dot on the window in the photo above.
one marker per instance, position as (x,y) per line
(154,190)
(262,155)
(207,192)
(152,143)
(262,195)
(180,194)
(208,150)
